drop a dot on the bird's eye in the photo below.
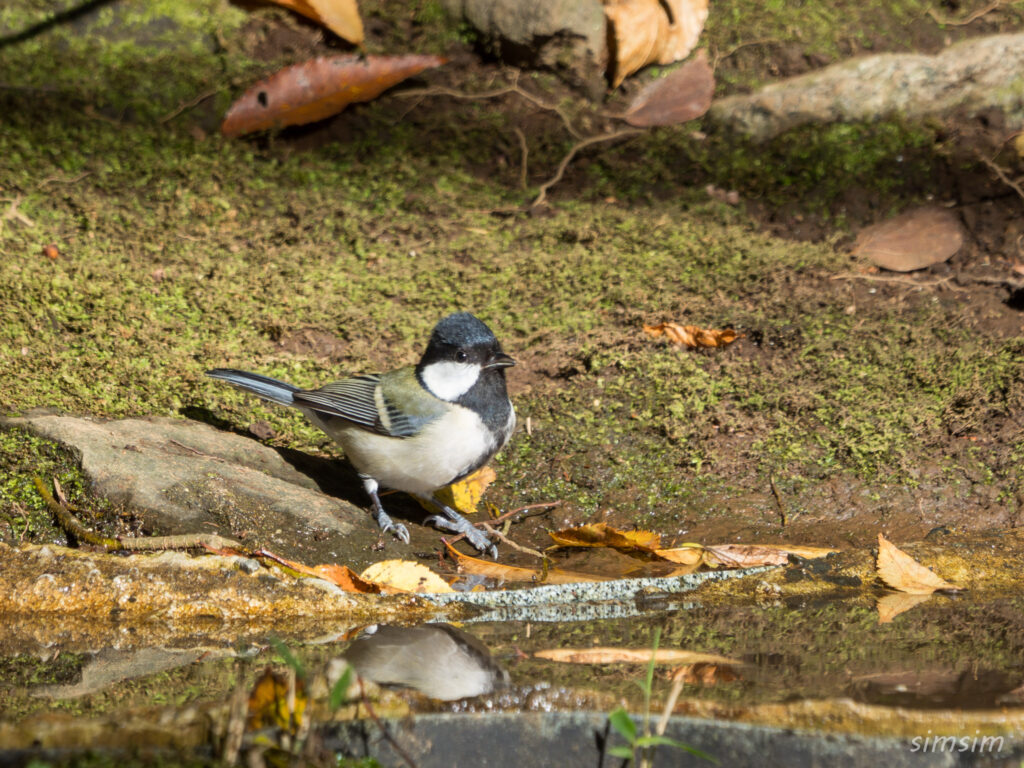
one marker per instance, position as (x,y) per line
(461,356)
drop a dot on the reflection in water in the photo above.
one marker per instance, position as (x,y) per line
(437,660)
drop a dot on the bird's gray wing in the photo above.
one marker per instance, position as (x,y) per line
(360,401)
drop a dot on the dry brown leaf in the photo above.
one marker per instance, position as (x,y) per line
(688,554)
(751,555)
(704,673)
(691,335)
(900,571)
(340,575)
(465,495)
(406,576)
(913,240)
(339,16)
(683,95)
(604,535)
(651,31)
(632,656)
(494,570)
(892,605)
(310,91)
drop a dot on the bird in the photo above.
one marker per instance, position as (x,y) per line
(418,428)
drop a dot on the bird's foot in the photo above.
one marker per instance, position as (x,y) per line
(387,525)
(473,535)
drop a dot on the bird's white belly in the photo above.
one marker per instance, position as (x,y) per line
(443,451)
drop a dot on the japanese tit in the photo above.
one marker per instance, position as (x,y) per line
(415,429)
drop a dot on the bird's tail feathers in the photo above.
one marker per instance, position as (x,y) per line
(269,389)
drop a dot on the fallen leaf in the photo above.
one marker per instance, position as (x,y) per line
(494,570)
(51,251)
(751,555)
(268,703)
(892,605)
(706,674)
(913,240)
(406,576)
(465,495)
(645,32)
(340,575)
(900,571)
(339,16)
(310,91)
(691,335)
(603,535)
(683,95)
(688,554)
(632,656)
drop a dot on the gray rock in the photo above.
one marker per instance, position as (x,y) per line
(978,74)
(185,477)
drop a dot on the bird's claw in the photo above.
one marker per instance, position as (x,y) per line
(387,525)
(473,535)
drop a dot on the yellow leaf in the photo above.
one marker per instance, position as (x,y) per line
(900,571)
(604,535)
(268,703)
(632,656)
(405,576)
(464,496)
(339,16)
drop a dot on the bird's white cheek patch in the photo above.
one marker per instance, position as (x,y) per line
(449,380)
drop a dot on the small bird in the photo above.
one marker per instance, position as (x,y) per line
(415,429)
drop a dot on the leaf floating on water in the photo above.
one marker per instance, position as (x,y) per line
(603,535)
(632,656)
(900,571)
(645,32)
(310,91)
(692,336)
(405,576)
(913,240)
(683,95)
(339,16)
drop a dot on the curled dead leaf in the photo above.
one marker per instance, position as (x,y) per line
(495,570)
(313,90)
(339,575)
(751,555)
(913,240)
(902,572)
(683,95)
(604,535)
(643,32)
(691,335)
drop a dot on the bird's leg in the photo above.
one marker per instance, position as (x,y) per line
(383,518)
(453,521)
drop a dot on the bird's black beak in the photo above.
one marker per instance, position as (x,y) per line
(500,360)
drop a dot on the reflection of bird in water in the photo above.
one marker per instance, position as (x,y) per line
(437,660)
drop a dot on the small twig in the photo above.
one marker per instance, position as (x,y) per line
(972,17)
(70,525)
(188,105)
(998,170)
(506,540)
(898,279)
(520,510)
(582,144)
(778,501)
(383,729)
(181,541)
(525,150)
(670,704)
(234,731)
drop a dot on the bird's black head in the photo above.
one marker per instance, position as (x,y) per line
(460,350)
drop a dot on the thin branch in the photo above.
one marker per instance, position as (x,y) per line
(188,105)
(506,540)
(525,150)
(971,18)
(998,171)
(582,144)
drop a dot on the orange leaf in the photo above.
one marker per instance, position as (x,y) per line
(683,95)
(691,335)
(495,570)
(688,554)
(647,31)
(310,91)
(603,535)
(900,571)
(341,575)
(913,240)
(339,16)
(405,576)
(704,673)
(631,656)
